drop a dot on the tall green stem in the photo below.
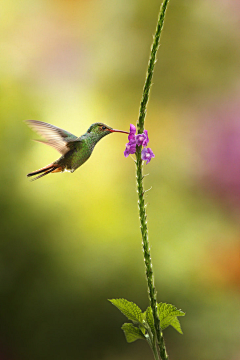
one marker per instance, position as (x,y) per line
(141,203)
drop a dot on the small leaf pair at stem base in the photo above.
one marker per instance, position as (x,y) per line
(143,322)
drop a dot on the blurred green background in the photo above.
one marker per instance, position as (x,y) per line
(69,241)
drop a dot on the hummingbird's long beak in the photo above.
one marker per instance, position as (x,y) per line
(120,131)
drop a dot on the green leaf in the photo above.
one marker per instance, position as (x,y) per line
(129,309)
(176,324)
(149,318)
(132,333)
(168,316)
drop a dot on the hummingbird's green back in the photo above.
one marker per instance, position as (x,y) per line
(82,148)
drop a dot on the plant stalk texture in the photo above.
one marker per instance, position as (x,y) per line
(141,203)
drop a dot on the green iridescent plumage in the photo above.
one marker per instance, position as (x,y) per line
(75,150)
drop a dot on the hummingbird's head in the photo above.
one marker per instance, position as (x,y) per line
(102,130)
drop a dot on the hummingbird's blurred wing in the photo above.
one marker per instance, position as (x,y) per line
(55,137)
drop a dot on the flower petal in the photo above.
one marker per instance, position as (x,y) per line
(147,155)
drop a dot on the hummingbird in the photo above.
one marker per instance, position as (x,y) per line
(75,150)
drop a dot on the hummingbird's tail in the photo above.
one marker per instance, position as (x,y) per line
(51,168)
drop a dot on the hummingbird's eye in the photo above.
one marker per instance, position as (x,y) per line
(103,127)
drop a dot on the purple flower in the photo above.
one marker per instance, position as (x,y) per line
(130,148)
(132,133)
(147,154)
(142,139)
(147,139)
(138,140)
(131,145)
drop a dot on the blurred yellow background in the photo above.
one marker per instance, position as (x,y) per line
(69,241)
